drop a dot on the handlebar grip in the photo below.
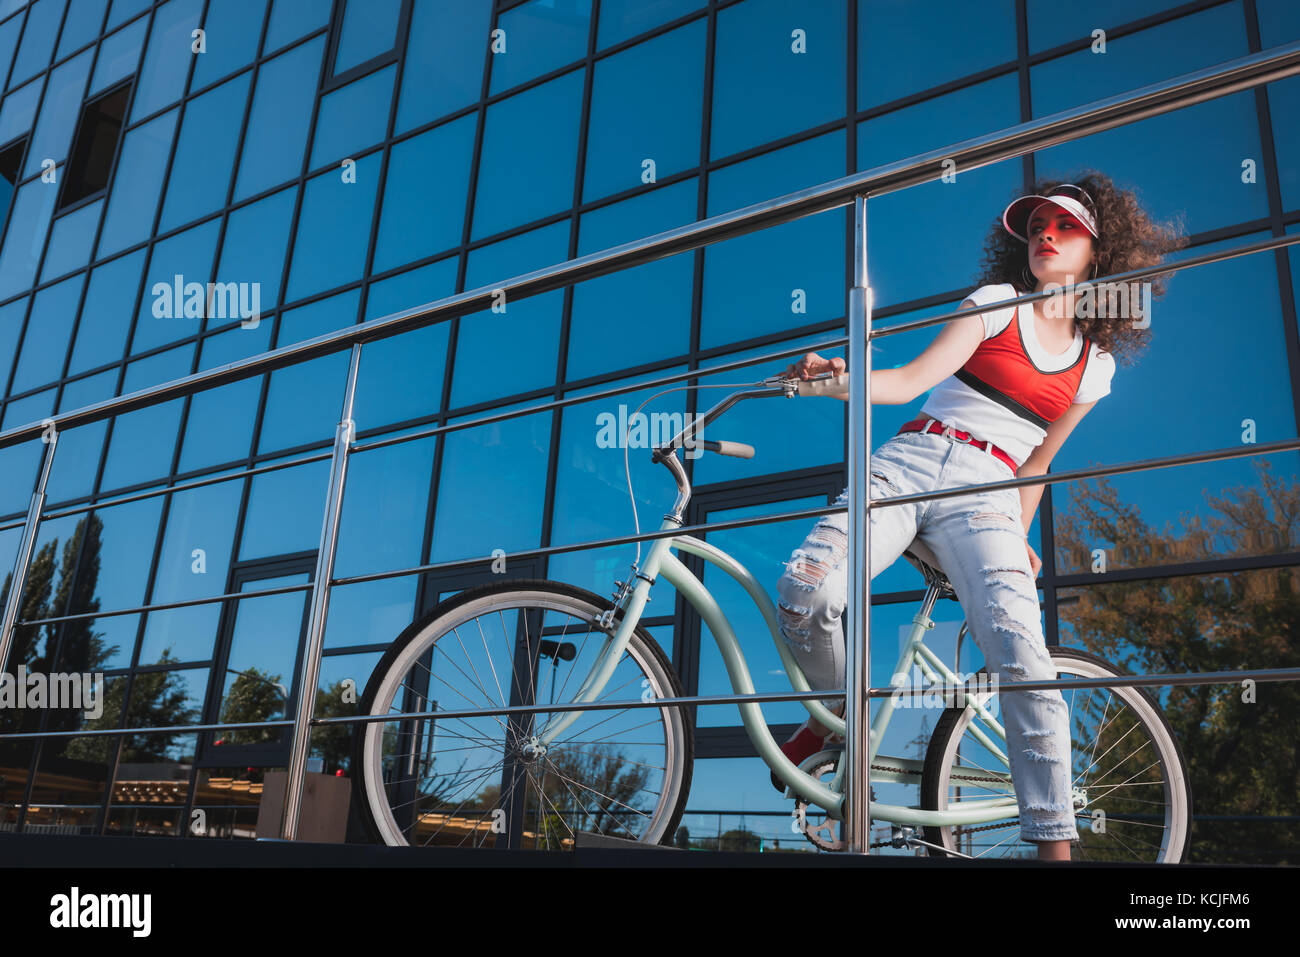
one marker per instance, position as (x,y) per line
(735,449)
(829,385)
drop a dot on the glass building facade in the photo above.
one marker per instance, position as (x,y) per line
(335,161)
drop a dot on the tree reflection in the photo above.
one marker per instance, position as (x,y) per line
(1238,740)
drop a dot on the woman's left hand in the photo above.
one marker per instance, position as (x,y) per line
(1034,562)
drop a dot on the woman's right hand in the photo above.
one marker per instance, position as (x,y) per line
(812,364)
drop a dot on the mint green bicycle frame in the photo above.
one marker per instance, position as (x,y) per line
(828,797)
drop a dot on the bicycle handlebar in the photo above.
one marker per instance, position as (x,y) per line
(828,384)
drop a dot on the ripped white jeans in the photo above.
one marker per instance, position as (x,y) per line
(980,544)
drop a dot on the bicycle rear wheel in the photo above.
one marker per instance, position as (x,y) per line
(1127,765)
(485,781)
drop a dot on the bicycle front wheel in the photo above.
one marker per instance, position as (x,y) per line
(1132,798)
(489,780)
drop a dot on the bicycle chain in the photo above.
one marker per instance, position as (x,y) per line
(958,777)
(963,777)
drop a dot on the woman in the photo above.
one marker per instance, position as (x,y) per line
(1008,386)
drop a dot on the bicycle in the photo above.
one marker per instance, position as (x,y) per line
(547,779)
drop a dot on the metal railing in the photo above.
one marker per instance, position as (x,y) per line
(1155,99)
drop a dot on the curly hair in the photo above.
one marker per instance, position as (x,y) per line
(1129,240)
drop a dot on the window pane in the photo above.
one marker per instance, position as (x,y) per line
(1279,22)
(11,328)
(353,117)
(621,19)
(123,10)
(304,400)
(76,459)
(759,283)
(967,206)
(523,341)
(763,424)
(540,36)
(633,121)
(219,427)
(25,236)
(762,88)
(136,182)
(1283,105)
(1142,153)
(656,296)
(385,503)
(303,403)
(9,32)
(369,612)
(333,229)
(291,19)
(59,111)
(591,494)
(401,376)
(162,75)
(81,25)
(200,173)
(119,55)
(37,47)
(1192,498)
(232,29)
(70,241)
(1138,59)
(116,546)
(253,250)
(19,110)
(144,441)
(166,313)
(201,518)
(18,464)
(369,29)
(424,195)
(1051,24)
(263,652)
(445,54)
(511,192)
(29,409)
(45,343)
(278,122)
(491,491)
(285,511)
(106,315)
(896,54)
(180,634)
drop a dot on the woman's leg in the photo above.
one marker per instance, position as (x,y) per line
(980,543)
(813,591)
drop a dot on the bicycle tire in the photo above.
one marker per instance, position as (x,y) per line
(376,785)
(1176,825)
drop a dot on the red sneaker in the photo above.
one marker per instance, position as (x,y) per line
(804,744)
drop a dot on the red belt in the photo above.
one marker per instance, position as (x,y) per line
(937,427)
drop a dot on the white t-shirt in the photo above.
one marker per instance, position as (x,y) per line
(954,402)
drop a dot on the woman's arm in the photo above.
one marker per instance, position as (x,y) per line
(1041,458)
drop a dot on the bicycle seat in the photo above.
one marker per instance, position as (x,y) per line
(926,562)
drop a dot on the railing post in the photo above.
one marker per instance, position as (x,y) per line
(857,659)
(320,594)
(24,558)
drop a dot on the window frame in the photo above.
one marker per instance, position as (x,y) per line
(330,80)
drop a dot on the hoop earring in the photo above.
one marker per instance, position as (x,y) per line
(1027,278)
